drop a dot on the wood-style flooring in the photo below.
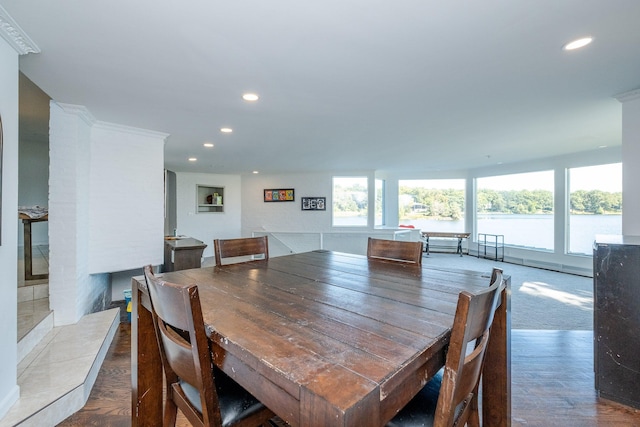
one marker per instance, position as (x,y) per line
(552,384)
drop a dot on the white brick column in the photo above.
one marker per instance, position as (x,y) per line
(69,153)
(106,207)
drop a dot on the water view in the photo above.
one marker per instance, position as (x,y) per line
(534,231)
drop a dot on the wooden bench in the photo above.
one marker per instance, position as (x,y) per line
(446,235)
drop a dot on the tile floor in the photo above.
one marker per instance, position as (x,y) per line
(33,295)
(56,377)
(57,366)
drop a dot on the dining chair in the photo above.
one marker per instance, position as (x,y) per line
(450,398)
(230,248)
(204,394)
(395,250)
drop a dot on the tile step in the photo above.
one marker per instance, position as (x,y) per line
(35,336)
(56,377)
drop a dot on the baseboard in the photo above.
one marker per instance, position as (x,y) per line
(552,266)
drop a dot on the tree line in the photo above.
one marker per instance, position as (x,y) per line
(350,199)
(449,203)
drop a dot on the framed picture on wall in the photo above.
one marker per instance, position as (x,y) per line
(314,203)
(279,195)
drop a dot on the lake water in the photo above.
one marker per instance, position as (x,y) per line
(534,231)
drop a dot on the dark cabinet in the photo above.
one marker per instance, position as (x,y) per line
(182,253)
(616,277)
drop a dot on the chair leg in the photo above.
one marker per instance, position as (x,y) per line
(474,415)
(170,413)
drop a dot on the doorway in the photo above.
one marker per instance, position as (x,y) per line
(33,193)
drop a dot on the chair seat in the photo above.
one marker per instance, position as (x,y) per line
(419,412)
(235,402)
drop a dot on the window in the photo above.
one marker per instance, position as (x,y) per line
(518,206)
(432,204)
(595,205)
(379,217)
(350,201)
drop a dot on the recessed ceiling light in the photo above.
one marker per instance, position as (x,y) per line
(602,146)
(208,144)
(250,97)
(577,44)
(192,159)
(226,130)
(256,172)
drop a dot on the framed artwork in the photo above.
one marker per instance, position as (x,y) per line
(279,195)
(314,203)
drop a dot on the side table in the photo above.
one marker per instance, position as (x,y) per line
(28,249)
(491,246)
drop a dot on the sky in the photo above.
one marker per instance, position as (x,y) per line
(456,184)
(542,180)
(602,177)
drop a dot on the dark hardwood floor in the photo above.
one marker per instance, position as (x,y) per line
(552,384)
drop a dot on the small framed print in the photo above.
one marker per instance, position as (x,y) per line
(279,195)
(314,203)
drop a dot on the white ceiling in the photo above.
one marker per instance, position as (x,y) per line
(406,85)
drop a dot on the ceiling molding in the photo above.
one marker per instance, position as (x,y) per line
(85,115)
(15,36)
(628,96)
(131,130)
(78,110)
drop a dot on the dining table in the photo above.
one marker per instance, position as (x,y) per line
(326,338)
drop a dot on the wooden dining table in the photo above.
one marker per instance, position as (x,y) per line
(325,338)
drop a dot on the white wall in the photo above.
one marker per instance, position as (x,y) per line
(208,226)
(126,198)
(258,215)
(631,164)
(9,390)
(313,229)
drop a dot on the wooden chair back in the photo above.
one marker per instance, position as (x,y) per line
(231,248)
(204,394)
(458,398)
(184,350)
(395,250)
